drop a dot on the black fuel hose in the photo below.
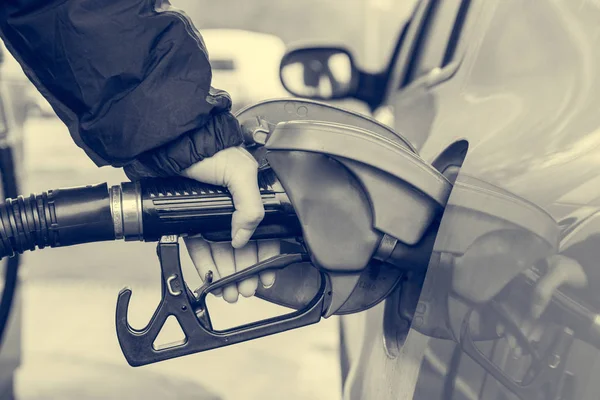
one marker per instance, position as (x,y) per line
(144,211)
(10,187)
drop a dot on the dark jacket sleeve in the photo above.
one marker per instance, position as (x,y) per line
(130,78)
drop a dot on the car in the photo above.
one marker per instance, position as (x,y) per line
(245,64)
(14,108)
(501,97)
(19,101)
(27,100)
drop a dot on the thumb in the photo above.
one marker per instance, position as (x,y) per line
(561,271)
(242,183)
(237,170)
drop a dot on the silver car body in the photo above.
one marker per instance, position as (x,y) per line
(514,85)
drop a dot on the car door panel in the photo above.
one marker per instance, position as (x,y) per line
(525,99)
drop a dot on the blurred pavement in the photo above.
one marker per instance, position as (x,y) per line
(70,348)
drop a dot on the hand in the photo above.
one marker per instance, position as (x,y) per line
(235,169)
(562,271)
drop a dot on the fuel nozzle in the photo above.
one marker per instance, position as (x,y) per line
(149,209)
(142,211)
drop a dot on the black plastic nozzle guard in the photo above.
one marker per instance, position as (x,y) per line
(192,314)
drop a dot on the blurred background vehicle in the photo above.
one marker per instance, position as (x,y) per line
(245,64)
(14,109)
(366,27)
(26,99)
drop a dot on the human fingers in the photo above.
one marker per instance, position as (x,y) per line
(201,255)
(246,257)
(237,170)
(266,250)
(561,271)
(242,183)
(225,263)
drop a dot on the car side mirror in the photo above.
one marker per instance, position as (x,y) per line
(324,73)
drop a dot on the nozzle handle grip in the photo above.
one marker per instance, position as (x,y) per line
(186,207)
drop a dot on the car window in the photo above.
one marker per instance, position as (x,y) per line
(3,120)
(438,37)
(222,64)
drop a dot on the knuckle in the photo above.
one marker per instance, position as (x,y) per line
(255,215)
(268,275)
(221,251)
(243,155)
